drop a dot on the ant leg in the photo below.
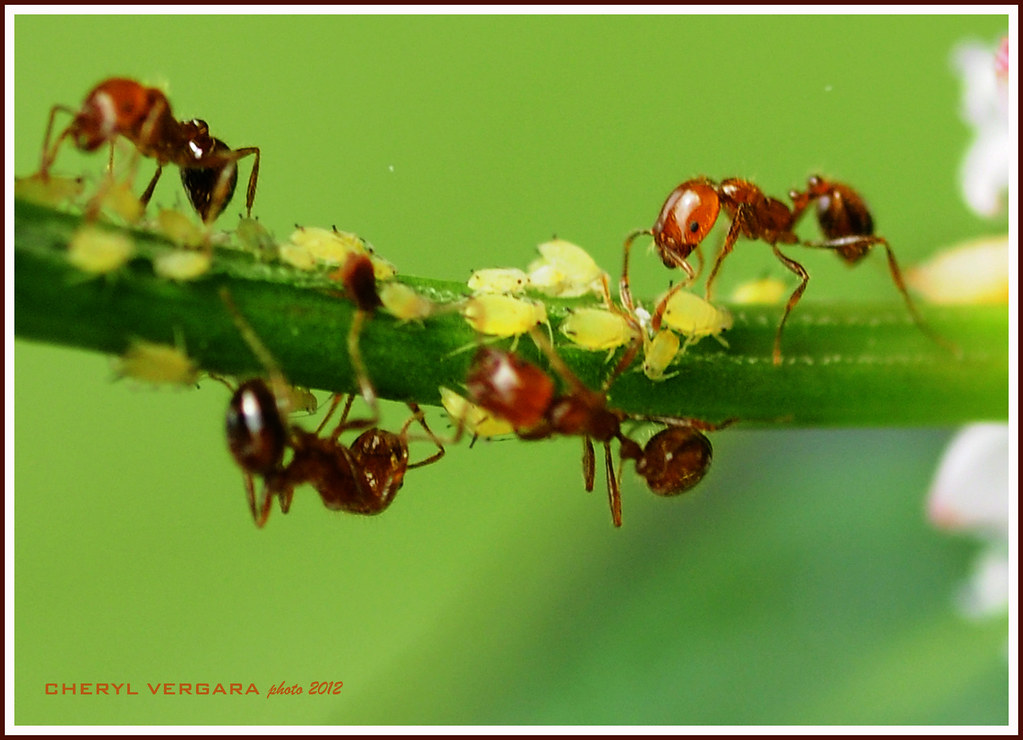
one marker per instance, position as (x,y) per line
(793,299)
(417,415)
(589,463)
(614,491)
(366,388)
(726,248)
(50,153)
(148,192)
(335,401)
(250,193)
(261,512)
(858,246)
(624,292)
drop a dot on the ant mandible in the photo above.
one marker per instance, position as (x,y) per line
(362,478)
(142,115)
(692,209)
(672,461)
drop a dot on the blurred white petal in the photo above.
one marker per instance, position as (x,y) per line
(985,169)
(970,493)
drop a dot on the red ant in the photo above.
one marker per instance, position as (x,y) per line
(692,209)
(362,478)
(673,461)
(142,115)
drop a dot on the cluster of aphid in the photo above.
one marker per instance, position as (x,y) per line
(507,394)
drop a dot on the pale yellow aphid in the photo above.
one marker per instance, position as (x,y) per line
(659,352)
(763,291)
(503,315)
(254,238)
(296,256)
(974,272)
(179,228)
(475,420)
(694,318)
(159,364)
(301,399)
(598,329)
(97,250)
(50,190)
(182,264)
(565,269)
(403,302)
(508,280)
(118,198)
(327,246)
(311,247)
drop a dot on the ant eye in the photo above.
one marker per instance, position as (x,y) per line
(694,226)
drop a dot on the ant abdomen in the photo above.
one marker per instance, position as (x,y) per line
(201,183)
(674,460)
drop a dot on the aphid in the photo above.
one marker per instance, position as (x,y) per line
(142,115)
(507,280)
(658,353)
(598,329)
(524,395)
(118,198)
(566,270)
(404,303)
(96,250)
(477,421)
(51,191)
(763,291)
(692,209)
(152,362)
(503,316)
(182,264)
(694,318)
(177,227)
(362,478)
(255,239)
(312,247)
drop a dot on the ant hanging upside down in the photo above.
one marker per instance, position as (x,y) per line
(511,388)
(361,478)
(142,115)
(692,209)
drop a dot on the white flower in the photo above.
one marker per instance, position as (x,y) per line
(985,169)
(970,496)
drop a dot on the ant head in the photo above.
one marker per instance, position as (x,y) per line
(509,387)
(686,218)
(113,107)
(674,460)
(256,432)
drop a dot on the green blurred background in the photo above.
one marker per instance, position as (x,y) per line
(799,584)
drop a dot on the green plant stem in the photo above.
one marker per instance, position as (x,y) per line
(863,365)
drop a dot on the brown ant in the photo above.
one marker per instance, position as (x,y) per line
(692,209)
(362,478)
(673,461)
(142,115)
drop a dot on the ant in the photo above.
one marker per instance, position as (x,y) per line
(692,209)
(502,383)
(142,115)
(362,478)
